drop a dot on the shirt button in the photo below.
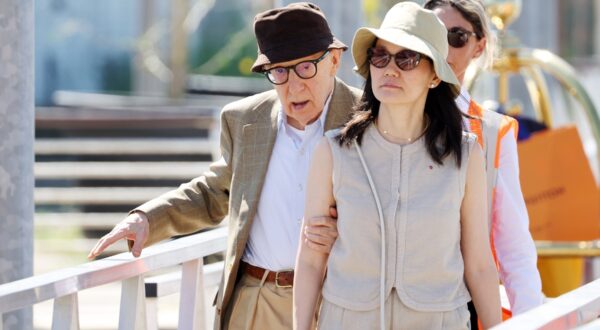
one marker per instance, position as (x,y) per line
(299,220)
(300,187)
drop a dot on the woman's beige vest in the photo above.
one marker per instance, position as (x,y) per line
(421,203)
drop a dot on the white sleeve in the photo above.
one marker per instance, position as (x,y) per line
(514,246)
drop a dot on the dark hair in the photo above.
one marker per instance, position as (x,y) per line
(443,136)
(465,10)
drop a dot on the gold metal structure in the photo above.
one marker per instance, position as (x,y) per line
(561,264)
(531,64)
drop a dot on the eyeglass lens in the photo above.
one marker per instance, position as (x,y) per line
(458,38)
(405,59)
(305,70)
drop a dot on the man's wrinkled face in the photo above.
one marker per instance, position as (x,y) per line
(303,99)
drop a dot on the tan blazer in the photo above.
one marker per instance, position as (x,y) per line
(233,184)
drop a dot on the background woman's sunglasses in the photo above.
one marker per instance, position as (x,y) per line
(405,59)
(458,37)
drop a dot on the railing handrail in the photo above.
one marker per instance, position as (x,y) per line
(35,289)
(568,311)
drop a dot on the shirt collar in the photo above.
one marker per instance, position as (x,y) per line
(463,100)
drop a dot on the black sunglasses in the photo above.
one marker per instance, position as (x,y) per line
(279,75)
(405,59)
(458,37)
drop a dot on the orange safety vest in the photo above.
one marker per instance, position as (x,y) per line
(490,128)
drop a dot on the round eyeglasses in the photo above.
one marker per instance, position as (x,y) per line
(458,37)
(279,75)
(405,59)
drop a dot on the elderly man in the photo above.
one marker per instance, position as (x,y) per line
(266,143)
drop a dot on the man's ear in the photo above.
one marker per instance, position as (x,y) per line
(336,57)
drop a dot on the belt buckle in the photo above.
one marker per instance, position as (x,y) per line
(277,282)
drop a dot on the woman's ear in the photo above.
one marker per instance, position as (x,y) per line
(479,47)
(435,82)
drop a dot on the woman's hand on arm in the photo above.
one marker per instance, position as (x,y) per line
(480,271)
(311,263)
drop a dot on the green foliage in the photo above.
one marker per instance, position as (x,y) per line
(224,44)
(116,73)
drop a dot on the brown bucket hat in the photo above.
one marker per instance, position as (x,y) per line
(291,32)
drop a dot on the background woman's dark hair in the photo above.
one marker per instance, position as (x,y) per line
(443,136)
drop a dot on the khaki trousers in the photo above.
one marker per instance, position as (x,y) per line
(257,304)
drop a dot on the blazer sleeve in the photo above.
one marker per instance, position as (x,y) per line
(201,203)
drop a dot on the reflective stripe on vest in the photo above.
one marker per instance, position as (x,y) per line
(486,125)
(490,128)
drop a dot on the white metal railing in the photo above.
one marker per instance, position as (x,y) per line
(63,286)
(577,308)
(170,283)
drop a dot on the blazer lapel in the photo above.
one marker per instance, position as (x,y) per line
(258,141)
(340,106)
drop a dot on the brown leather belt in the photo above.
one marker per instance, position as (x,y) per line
(283,279)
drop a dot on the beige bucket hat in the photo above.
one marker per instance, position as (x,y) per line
(410,26)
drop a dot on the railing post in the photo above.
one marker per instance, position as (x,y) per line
(66,313)
(132,313)
(151,313)
(191,304)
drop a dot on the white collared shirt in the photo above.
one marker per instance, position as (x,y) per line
(275,232)
(514,246)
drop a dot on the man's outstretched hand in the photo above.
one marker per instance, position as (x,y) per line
(321,232)
(134,228)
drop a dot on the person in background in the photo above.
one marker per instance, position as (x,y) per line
(259,182)
(470,40)
(409,185)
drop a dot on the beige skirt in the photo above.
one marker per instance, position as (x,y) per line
(398,316)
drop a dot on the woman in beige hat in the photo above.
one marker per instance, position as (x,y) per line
(471,41)
(409,187)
